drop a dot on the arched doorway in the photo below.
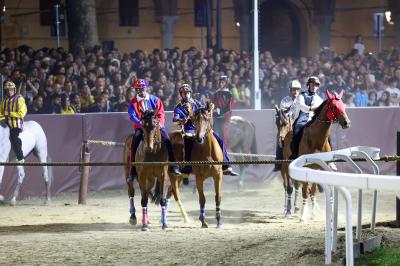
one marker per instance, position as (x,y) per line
(279,28)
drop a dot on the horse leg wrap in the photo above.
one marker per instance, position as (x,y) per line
(296,197)
(132,209)
(163,215)
(202,214)
(289,204)
(145,219)
(218,215)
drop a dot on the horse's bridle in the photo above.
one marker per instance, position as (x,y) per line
(329,121)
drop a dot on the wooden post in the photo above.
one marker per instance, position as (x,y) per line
(83,187)
(398,173)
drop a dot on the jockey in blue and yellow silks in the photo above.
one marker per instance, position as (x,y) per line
(141,102)
(182,116)
(13,110)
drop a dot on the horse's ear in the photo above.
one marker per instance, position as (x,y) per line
(340,95)
(208,106)
(329,95)
(277,109)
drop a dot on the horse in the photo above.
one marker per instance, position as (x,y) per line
(206,148)
(241,139)
(315,137)
(284,122)
(151,149)
(33,141)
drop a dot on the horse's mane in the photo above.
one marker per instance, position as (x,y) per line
(316,112)
(200,111)
(148,114)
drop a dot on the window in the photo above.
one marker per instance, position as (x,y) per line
(45,11)
(128,13)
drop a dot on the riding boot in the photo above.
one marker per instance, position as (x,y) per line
(172,169)
(226,168)
(188,141)
(135,144)
(295,144)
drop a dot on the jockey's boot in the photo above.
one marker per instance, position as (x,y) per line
(227,170)
(132,175)
(174,170)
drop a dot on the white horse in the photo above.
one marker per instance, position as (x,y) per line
(33,140)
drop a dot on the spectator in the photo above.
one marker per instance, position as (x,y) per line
(36,107)
(66,107)
(385,99)
(361,97)
(372,98)
(358,45)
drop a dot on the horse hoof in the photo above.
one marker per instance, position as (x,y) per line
(219,226)
(13,202)
(47,202)
(288,215)
(204,225)
(133,221)
(145,227)
(165,227)
(296,210)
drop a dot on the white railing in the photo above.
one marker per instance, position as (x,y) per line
(342,181)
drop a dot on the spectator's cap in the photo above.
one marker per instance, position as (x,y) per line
(9,85)
(313,79)
(295,84)
(185,88)
(224,78)
(141,84)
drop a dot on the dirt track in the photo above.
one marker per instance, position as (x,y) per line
(254,231)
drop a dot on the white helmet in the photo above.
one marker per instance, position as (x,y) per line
(295,84)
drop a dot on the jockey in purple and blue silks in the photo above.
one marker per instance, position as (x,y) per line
(141,102)
(182,116)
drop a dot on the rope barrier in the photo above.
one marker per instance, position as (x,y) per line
(121,144)
(253,162)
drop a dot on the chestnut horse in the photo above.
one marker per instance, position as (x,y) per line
(206,148)
(151,149)
(284,122)
(316,134)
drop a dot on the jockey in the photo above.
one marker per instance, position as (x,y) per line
(141,102)
(287,103)
(223,101)
(306,103)
(13,110)
(182,116)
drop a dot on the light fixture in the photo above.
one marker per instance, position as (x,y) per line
(237,24)
(388,16)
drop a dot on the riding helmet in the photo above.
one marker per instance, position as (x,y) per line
(141,83)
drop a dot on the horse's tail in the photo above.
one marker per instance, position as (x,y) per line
(156,196)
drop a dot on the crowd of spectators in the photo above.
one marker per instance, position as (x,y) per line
(57,81)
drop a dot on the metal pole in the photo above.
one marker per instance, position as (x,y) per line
(83,186)
(209,16)
(256,81)
(398,173)
(57,6)
(379,33)
(218,44)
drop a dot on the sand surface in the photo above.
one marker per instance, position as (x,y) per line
(254,231)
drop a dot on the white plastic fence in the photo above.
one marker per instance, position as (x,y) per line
(340,182)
